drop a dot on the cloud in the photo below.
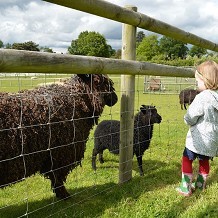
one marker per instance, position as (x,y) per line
(55,26)
(10,3)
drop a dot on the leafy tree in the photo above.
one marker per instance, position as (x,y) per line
(30,46)
(197,51)
(90,44)
(8,46)
(118,54)
(140,36)
(73,49)
(111,51)
(1,44)
(46,49)
(148,48)
(173,48)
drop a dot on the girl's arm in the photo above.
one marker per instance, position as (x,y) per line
(194,111)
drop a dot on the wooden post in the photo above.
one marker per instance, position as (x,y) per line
(127,104)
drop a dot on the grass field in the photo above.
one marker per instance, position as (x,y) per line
(98,194)
(16,82)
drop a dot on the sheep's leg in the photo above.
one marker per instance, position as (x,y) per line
(58,187)
(185,106)
(101,160)
(61,192)
(94,154)
(139,159)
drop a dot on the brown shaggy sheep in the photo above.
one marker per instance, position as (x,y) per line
(45,130)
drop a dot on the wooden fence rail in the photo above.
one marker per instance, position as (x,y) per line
(124,15)
(42,62)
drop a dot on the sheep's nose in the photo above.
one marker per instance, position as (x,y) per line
(160,118)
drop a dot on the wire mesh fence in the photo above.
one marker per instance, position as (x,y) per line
(167,85)
(83,182)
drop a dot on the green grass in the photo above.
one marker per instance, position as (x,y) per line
(98,194)
(20,82)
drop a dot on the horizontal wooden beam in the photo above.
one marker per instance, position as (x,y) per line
(114,12)
(41,62)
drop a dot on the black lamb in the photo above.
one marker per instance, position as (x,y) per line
(107,135)
(45,130)
(187,96)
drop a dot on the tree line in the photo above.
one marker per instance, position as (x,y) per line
(153,47)
(150,47)
(166,50)
(29,46)
(88,43)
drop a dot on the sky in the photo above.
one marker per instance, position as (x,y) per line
(56,26)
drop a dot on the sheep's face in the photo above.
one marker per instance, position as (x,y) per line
(107,90)
(103,85)
(151,114)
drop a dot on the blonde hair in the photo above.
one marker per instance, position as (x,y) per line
(208,71)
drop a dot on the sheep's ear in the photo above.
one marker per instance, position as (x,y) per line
(85,77)
(146,106)
(143,108)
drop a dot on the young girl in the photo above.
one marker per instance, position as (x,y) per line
(202,137)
